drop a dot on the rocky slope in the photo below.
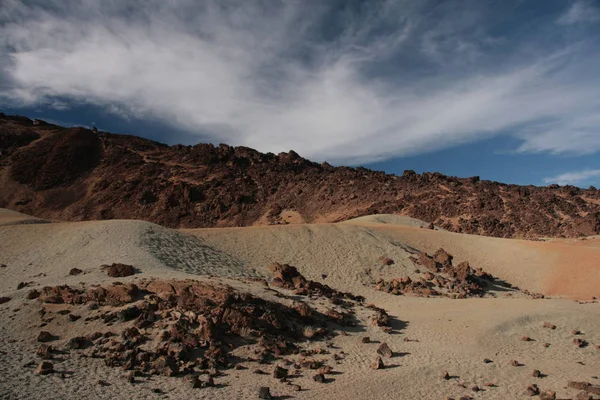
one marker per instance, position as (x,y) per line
(77,174)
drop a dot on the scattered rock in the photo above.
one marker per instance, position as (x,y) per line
(32,294)
(549,325)
(532,390)
(118,270)
(584,396)
(536,373)
(280,373)
(319,378)
(73,317)
(546,344)
(75,271)
(514,363)
(326,369)
(4,299)
(378,363)
(548,395)
(580,342)
(386,260)
(44,368)
(45,336)
(296,388)
(445,375)
(526,339)
(475,388)
(576,332)
(264,393)
(384,350)
(366,339)
(487,361)
(44,351)
(78,342)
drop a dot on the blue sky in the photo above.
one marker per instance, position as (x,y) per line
(504,89)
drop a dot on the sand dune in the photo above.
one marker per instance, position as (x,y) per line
(443,334)
(556,268)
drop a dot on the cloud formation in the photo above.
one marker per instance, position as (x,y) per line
(342,81)
(575,177)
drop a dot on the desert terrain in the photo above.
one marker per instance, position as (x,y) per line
(527,317)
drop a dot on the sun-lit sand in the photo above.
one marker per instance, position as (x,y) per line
(443,334)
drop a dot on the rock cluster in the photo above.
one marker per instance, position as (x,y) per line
(184,327)
(441,278)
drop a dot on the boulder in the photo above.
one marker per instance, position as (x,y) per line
(532,390)
(118,270)
(548,395)
(44,368)
(384,350)
(378,363)
(264,393)
(45,336)
(280,373)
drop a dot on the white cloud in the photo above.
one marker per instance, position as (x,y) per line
(574,178)
(580,12)
(265,78)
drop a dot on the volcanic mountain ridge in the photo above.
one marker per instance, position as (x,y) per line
(78,174)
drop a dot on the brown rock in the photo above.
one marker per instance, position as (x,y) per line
(548,395)
(546,344)
(526,339)
(366,339)
(386,260)
(378,363)
(576,332)
(280,372)
(4,299)
(45,336)
(549,325)
(580,342)
(326,369)
(75,271)
(514,363)
(296,388)
(536,373)
(584,396)
(579,385)
(532,390)
(44,368)
(384,350)
(32,294)
(319,378)
(445,375)
(264,393)
(118,270)
(45,351)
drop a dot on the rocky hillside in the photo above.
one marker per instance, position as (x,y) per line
(77,174)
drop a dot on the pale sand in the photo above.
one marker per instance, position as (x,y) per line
(453,335)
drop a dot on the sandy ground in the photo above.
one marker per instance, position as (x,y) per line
(452,335)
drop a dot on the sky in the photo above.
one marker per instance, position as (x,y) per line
(508,90)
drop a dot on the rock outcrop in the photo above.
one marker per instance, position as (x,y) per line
(78,174)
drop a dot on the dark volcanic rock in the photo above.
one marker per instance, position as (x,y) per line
(76,174)
(118,270)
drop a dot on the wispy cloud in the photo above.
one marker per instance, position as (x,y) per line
(331,80)
(581,11)
(575,178)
